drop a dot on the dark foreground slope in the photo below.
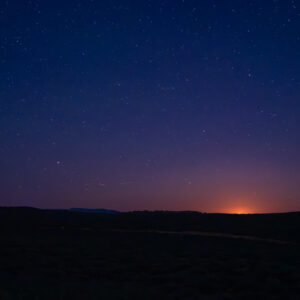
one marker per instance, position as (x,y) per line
(281,226)
(64,255)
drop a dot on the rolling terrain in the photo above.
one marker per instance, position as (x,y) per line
(47,254)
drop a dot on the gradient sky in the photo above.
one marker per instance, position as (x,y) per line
(131,105)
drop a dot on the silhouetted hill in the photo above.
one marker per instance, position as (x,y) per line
(99,210)
(67,254)
(283,226)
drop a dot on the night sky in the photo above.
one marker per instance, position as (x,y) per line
(133,105)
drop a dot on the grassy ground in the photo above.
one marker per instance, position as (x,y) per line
(83,264)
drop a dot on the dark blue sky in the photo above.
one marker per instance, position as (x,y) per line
(150,104)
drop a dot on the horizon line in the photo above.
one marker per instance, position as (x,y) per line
(151,210)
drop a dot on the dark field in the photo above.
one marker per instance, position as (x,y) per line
(60,261)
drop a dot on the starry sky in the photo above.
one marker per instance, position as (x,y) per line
(133,105)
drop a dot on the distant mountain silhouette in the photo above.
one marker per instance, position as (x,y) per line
(97,210)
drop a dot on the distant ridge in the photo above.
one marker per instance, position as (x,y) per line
(97,210)
(276,226)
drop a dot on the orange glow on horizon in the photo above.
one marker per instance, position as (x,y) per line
(242,204)
(237,211)
(240,211)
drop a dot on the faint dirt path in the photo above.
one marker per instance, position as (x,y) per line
(212,234)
